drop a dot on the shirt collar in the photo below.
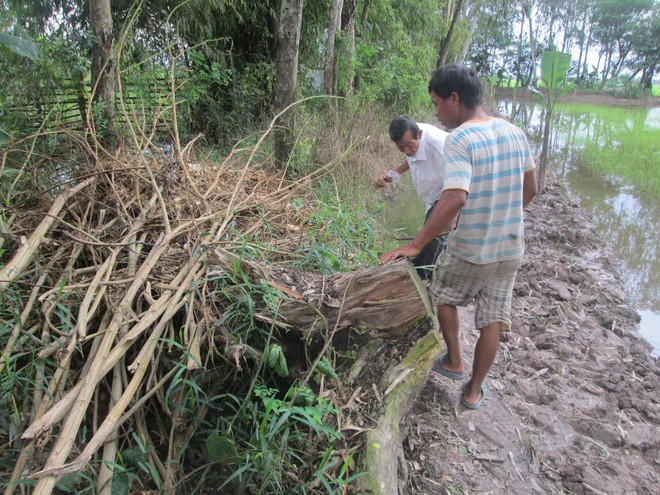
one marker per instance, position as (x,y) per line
(421,151)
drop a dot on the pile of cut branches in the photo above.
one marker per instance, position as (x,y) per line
(152,338)
(110,305)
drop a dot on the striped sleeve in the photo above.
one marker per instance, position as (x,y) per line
(458,171)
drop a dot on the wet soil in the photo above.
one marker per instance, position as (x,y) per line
(572,403)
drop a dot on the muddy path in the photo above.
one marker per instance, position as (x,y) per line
(573,403)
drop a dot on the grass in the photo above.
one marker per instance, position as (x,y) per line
(634,156)
(621,142)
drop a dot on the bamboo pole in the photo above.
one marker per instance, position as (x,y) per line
(62,408)
(106,471)
(25,253)
(88,383)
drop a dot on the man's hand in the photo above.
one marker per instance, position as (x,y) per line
(405,250)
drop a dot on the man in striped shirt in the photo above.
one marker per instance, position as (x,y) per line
(489,179)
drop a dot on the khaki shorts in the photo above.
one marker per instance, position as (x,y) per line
(457,282)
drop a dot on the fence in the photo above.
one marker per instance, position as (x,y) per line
(66,106)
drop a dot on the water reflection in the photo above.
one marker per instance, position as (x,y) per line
(627,218)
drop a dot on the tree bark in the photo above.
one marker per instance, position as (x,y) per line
(286,76)
(532,51)
(582,40)
(103,74)
(543,167)
(330,71)
(384,299)
(647,77)
(446,42)
(348,27)
(468,41)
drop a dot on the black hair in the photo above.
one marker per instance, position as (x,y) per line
(400,125)
(457,79)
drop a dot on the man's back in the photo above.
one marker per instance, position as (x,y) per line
(488,158)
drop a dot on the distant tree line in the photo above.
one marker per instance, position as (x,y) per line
(239,62)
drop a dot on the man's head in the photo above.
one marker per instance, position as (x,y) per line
(406,134)
(455,90)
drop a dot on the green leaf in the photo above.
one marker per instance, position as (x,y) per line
(324,366)
(4,137)
(69,482)
(554,67)
(22,47)
(281,368)
(220,447)
(120,484)
(539,97)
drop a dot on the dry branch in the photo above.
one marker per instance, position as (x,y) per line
(25,253)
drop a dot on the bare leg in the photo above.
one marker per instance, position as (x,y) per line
(484,355)
(449,323)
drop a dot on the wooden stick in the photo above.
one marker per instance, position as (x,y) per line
(88,383)
(25,253)
(106,471)
(61,409)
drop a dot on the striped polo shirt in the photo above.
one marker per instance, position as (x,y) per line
(487,158)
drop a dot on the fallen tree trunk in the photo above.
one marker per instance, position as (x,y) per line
(383,299)
(389,301)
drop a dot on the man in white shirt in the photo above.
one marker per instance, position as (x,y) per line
(423,145)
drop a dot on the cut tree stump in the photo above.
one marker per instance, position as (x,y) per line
(388,301)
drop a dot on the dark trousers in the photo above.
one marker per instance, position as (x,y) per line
(425,260)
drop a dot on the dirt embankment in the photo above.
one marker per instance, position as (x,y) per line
(572,404)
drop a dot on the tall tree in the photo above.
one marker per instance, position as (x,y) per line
(615,22)
(286,76)
(348,27)
(330,71)
(528,8)
(646,49)
(446,42)
(103,67)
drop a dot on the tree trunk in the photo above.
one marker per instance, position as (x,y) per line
(518,67)
(365,12)
(446,42)
(468,41)
(543,166)
(286,76)
(383,299)
(348,27)
(608,64)
(103,75)
(582,52)
(647,78)
(551,33)
(532,53)
(387,301)
(330,71)
(585,71)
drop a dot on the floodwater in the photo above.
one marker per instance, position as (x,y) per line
(627,218)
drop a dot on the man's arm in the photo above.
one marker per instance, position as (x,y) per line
(403,167)
(529,187)
(442,217)
(399,170)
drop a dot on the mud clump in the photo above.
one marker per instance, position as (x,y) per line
(573,403)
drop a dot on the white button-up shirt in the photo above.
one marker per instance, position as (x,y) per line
(427,167)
